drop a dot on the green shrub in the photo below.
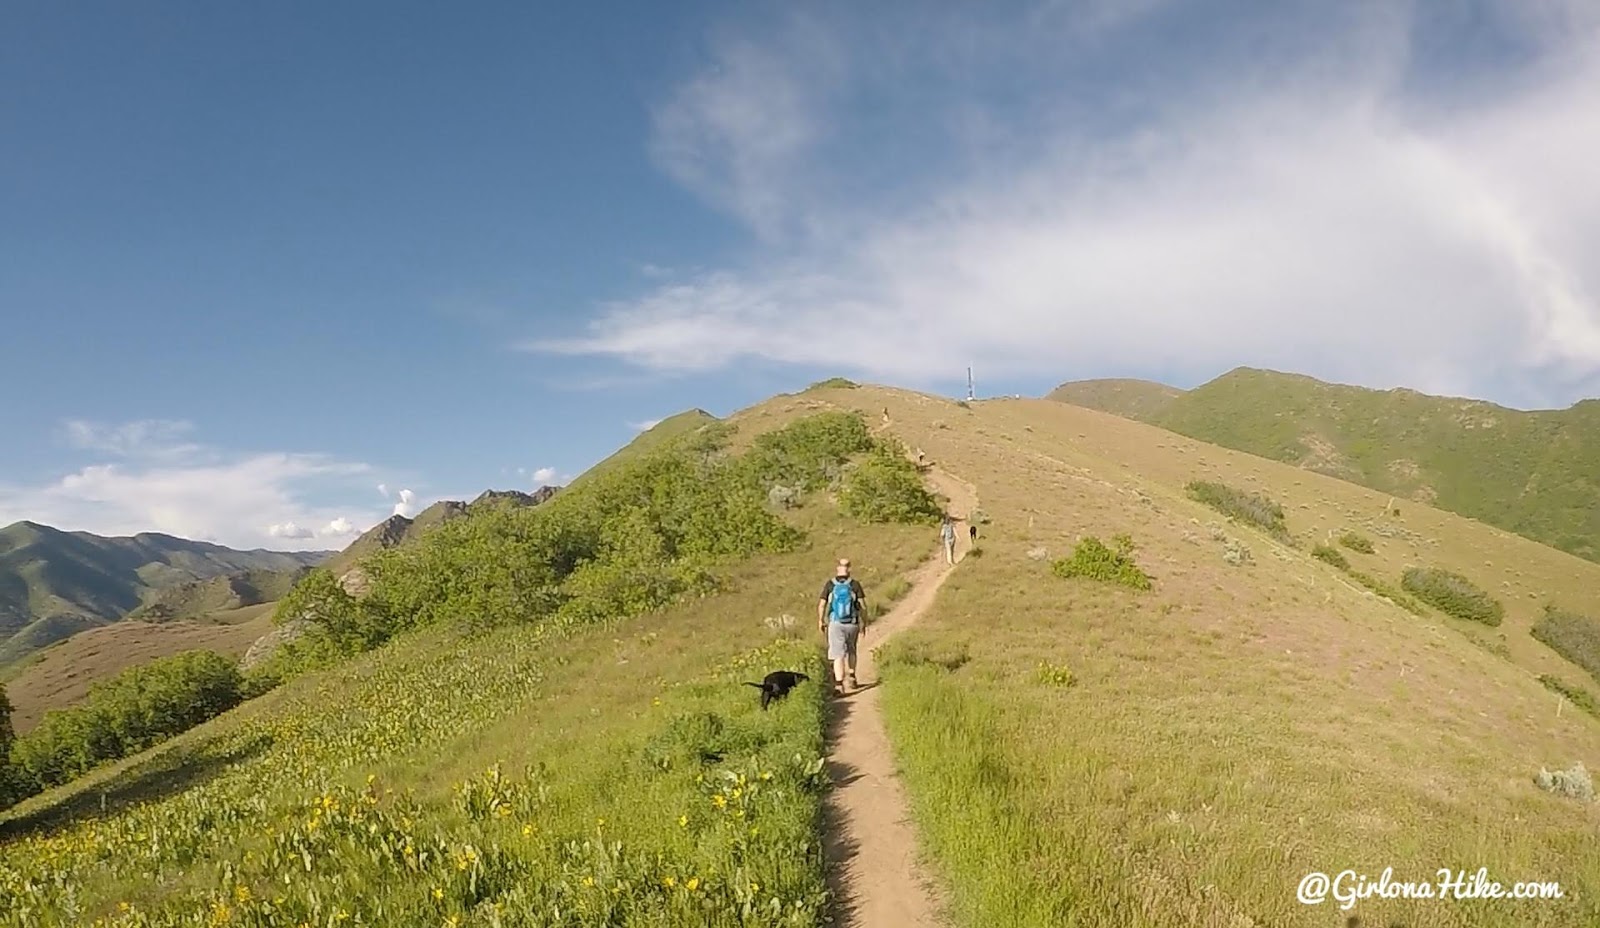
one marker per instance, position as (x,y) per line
(1253,508)
(1054,675)
(1576,695)
(1574,783)
(634,537)
(1092,560)
(1388,591)
(1331,556)
(834,383)
(1452,594)
(1573,636)
(886,488)
(1355,542)
(127,713)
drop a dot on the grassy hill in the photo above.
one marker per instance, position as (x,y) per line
(1533,473)
(1143,400)
(55,583)
(1074,751)
(199,598)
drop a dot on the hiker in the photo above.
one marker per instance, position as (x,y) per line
(919,458)
(972,533)
(839,617)
(947,532)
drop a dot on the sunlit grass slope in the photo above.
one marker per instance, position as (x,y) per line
(1080,753)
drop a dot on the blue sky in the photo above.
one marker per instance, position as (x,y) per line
(265,268)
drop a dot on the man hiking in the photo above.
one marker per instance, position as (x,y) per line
(839,611)
(947,534)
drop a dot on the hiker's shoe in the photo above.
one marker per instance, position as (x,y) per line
(854,684)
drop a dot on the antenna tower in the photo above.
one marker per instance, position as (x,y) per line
(970,395)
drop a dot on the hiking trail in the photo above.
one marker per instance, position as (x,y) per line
(869,840)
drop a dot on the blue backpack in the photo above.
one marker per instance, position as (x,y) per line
(841,602)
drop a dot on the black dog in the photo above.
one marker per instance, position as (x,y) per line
(777,685)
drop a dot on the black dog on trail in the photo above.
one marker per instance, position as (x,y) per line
(777,685)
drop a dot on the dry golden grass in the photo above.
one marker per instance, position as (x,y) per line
(61,675)
(1235,727)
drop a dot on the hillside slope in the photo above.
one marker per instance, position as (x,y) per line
(54,583)
(1143,400)
(1533,473)
(1073,751)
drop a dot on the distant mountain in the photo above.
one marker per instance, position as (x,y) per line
(54,583)
(397,529)
(198,598)
(1536,473)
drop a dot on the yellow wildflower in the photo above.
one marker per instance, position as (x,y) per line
(693,884)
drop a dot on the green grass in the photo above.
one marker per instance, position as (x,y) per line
(1389,591)
(1574,636)
(1253,509)
(1359,543)
(1453,594)
(621,773)
(1331,555)
(1092,560)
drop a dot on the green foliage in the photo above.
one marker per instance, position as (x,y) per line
(834,383)
(1573,636)
(1092,560)
(9,788)
(886,488)
(127,713)
(1388,591)
(809,454)
(1054,675)
(1452,594)
(1330,555)
(1358,543)
(1252,508)
(649,529)
(1576,695)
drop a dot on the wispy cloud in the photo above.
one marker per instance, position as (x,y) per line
(1325,209)
(644,425)
(160,480)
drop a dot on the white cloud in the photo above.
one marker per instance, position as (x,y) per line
(644,425)
(1321,219)
(161,482)
(141,438)
(544,475)
(383,490)
(338,528)
(407,505)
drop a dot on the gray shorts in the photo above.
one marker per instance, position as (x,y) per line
(842,639)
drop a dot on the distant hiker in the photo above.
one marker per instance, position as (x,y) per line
(839,617)
(885,415)
(919,458)
(972,532)
(947,533)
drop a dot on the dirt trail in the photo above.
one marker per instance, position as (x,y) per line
(869,840)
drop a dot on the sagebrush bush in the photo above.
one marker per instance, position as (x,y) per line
(1092,560)
(1574,636)
(1253,508)
(1330,555)
(1452,594)
(1355,542)
(1574,782)
(834,383)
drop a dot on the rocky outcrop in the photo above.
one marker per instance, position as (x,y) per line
(263,647)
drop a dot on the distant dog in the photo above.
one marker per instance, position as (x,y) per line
(777,685)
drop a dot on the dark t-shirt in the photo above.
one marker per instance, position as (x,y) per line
(858,598)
